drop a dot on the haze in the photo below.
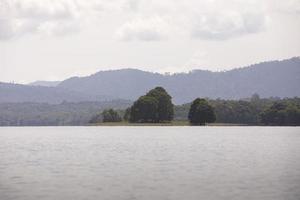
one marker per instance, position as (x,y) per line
(56,39)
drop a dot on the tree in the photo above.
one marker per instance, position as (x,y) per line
(281,114)
(293,115)
(156,106)
(126,115)
(110,116)
(165,110)
(144,110)
(201,112)
(274,115)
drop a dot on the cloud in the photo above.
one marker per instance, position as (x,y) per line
(58,28)
(143,29)
(6,28)
(141,19)
(228,24)
(220,20)
(206,19)
(289,7)
(18,17)
(49,17)
(132,5)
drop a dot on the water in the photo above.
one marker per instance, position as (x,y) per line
(150,163)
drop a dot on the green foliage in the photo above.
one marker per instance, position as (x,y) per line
(64,114)
(165,110)
(281,114)
(110,116)
(144,110)
(251,111)
(238,112)
(201,112)
(156,106)
(126,115)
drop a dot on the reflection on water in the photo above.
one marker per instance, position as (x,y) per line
(150,163)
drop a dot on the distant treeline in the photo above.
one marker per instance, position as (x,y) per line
(252,111)
(64,114)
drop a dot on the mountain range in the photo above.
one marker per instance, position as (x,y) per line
(273,78)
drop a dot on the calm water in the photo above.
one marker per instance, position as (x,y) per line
(182,163)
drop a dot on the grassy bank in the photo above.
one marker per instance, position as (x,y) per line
(173,123)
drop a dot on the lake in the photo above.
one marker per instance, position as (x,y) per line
(149,163)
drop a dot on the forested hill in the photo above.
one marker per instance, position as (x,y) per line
(275,78)
(17,93)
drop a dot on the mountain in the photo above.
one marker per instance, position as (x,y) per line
(45,83)
(124,83)
(274,78)
(15,93)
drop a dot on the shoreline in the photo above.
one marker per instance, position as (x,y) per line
(173,123)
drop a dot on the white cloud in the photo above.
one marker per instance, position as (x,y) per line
(132,5)
(58,28)
(206,19)
(227,24)
(145,29)
(50,17)
(18,17)
(285,7)
(142,19)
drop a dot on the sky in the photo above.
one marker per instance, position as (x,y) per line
(57,39)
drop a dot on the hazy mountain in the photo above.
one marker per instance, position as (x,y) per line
(124,83)
(14,93)
(275,78)
(45,83)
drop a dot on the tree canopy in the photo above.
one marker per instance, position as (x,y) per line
(201,112)
(165,109)
(281,114)
(126,114)
(111,115)
(251,111)
(144,110)
(155,106)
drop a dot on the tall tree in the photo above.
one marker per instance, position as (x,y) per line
(201,112)
(144,110)
(165,110)
(155,106)
(126,115)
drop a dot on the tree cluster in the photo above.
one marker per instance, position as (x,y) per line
(251,111)
(201,112)
(64,114)
(111,115)
(281,114)
(154,107)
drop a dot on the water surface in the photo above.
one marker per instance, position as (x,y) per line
(149,163)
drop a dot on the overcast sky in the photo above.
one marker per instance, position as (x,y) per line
(56,39)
